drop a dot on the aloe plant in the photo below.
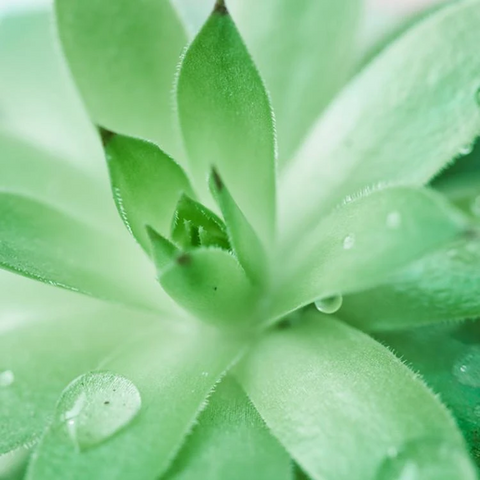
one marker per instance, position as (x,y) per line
(291,291)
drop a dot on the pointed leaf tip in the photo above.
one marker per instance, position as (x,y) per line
(162,250)
(220,7)
(105,135)
(216,180)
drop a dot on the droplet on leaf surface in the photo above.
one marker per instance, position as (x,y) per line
(427,459)
(6,378)
(349,242)
(329,304)
(96,406)
(466,149)
(467,368)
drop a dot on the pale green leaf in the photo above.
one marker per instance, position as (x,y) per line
(304,50)
(226,120)
(342,404)
(40,103)
(363,242)
(44,243)
(123,56)
(212,285)
(163,251)
(174,370)
(231,442)
(245,242)
(146,184)
(440,287)
(400,121)
(47,351)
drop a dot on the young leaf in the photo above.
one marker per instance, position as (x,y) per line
(163,251)
(123,56)
(43,243)
(408,114)
(211,284)
(245,242)
(361,243)
(173,371)
(226,119)
(40,372)
(231,442)
(195,225)
(146,184)
(304,51)
(440,287)
(344,406)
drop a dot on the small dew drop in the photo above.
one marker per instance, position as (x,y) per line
(426,459)
(329,304)
(6,378)
(467,368)
(394,220)
(466,149)
(96,406)
(349,242)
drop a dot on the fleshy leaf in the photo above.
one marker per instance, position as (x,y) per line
(43,243)
(420,348)
(245,242)
(46,352)
(304,51)
(174,371)
(343,405)
(146,184)
(195,225)
(363,242)
(400,121)
(123,56)
(226,120)
(231,442)
(212,285)
(440,287)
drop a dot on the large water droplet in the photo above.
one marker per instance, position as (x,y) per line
(349,242)
(96,406)
(394,220)
(466,149)
(329,304)
(427,459)
(467,368)
(6,378)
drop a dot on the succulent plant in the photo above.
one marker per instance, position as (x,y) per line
(293,290)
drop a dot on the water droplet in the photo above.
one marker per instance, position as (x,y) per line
(6,378)
(427,459)
(329,304)
(96,406)
(349,242)
(467,368)
(394,220)
(475,206)
(466,149)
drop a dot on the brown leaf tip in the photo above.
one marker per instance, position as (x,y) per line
(220,7)
(184,259)
(105,135)
(217,179)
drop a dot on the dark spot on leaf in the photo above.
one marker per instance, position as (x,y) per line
(220,7)
(284,324)
(106,135)
(215,288)
(106,402)
(184,259)
(217,180)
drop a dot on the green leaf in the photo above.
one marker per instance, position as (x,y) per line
(245,242)
(146,184)
(169,368)
(123,56)
(226,120)
(195,225)
(304,51)
(40,103)
(363,242)
(212,285)
(414,109)
(48,350)
(440,287)
(344,406)
(163,251)
(420,347)
(43,243)
(231,442)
